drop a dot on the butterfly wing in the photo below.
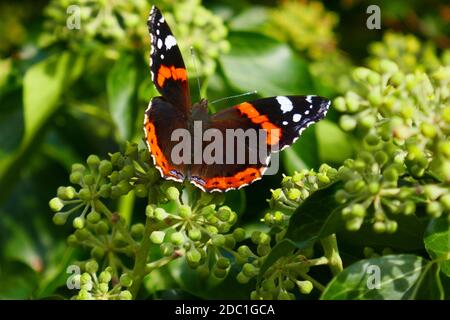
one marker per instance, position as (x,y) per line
(281,118)
(167,67)
(161,120)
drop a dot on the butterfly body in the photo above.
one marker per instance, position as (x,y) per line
(222,152)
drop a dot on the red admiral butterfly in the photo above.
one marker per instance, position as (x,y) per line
(282,118)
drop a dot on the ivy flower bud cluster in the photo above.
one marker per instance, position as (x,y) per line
(103,285)
(403,125)
(294,190)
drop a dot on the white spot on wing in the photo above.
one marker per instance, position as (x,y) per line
(285,103)
(162,56)
(296,117)
(307,112)
(157,32)
(285,123)
(309,99)
(161,19)
(170,42)
(160,43)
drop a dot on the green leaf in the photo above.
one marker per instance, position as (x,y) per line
(121,86)
(397,275)
(409,235)
(317,217)
(437,242)
(43,86)
(273,68)
(332,143)
(428,286)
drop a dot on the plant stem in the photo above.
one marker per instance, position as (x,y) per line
(100,207)
(140,263)
(315,283)
(331,252)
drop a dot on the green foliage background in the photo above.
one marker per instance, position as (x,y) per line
(66,94)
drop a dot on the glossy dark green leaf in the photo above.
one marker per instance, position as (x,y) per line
(409,235)
(303,154)
(121,86)
(272,69)
(428,286)
(317,217)
(437,242)
(388,277)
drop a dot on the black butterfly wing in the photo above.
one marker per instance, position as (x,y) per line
(167,67)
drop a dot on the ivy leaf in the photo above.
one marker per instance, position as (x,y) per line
(398,275)
(437,242)
(43,86)
(121,86)
(274,69)
(317,217)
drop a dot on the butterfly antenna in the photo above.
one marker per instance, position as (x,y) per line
(196,70)
(236,96)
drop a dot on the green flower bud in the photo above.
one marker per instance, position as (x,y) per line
(137,230)
(284,295)
(101,228)
(172,193)
(293,194)
(56,204)
(391,226)
(149,211)
(397,79)
(263,250)
(82,234)
(358,211)
(105,168)
(242,278)
(127,172)
(341,196)
(117,160)
(60,218)
(239,234)
(220,273)
(93,217)
(347,123)
(224,213)
(428,130)
(125,295)
(177,238)
(245,252)
(157,237)
(379,227)
(445,201)
(184,211)
(66,193)
(387,66)
(268,284)
(305,287)
(375,98)
(229,241)
(434,209)
(85,194)
(354,224)
(103,287)
(132,150)
(89,179)
(373,187)
(218,240)
(93,161)
(433,192)
(368,252)
(78,167)
(372,139)
(339,104)
(79,223)
(91,266)
(84,295)
(104,277)
(160,214)
(195,234)
(126,280)
(114,177)
(193,256)
(223,263)
(255,237)
(140,190)
(249,270)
